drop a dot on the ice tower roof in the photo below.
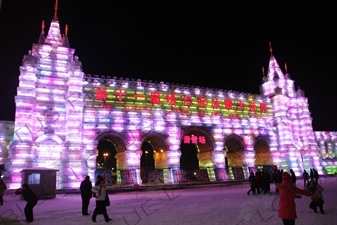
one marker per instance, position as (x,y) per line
(54,36)
(274,70)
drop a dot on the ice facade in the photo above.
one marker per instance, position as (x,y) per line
(62,114)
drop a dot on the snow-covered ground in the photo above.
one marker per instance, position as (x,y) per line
(208,205)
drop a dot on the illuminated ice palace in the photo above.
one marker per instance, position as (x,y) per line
(62,114)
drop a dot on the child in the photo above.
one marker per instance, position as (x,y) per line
(3,188)
(317,198)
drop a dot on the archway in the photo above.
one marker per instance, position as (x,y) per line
(234,148)
(110,155)
(154,149)
(196,148)
(263,156)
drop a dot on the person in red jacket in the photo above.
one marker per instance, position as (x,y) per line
(288,192)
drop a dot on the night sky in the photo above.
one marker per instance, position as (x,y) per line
(209,44)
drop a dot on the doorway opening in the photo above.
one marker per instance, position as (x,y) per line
(263,156)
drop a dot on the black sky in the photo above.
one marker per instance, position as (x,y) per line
(212,44)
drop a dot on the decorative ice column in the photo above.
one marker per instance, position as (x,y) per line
(174,153)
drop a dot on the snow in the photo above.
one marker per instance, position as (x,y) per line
(209,205)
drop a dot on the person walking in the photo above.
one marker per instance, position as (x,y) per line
(293,176)
(316,176)
(288,192)
(86,195)
(252,183)
(3,188)
(305,177)
(30,197)
(101,200)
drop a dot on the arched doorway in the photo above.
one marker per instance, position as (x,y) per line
(263,155)
(196,152)
(154,149)
(110,147)
(234,148)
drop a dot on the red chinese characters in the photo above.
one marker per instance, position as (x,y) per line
(155,98)
(215,103)
(252,106)
(187,100)
(194,139)
(241,105)
(155,177)
(202,102)
(263,108)
(171,99)
(120,94)
(228,104)
(100,94)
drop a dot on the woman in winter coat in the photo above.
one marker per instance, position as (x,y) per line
(288,192)
(317,198)
(3,188)
(101,194)
(30,197)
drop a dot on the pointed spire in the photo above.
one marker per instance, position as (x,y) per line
(66,30)
(42,38)
(56,7)
(54,36)
(65,41)
(42,27)
(286,67)
(270,49)
(274,70)
(263,74)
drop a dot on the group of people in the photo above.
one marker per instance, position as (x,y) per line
(99,191)
(285,184)
(259,182)
(313,176)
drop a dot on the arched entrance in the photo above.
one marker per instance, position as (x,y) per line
(262,152)
(154,149)
(110,148)
(196,152)
(234,148)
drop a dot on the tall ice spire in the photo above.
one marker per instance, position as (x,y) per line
(65,41)
(54,37)
(274,70)
(42,38)
(56,7)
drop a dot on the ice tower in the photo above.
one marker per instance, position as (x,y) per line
(292,123)
(49,107)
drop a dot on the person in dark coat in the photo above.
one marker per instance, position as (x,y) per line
(293,176)
(252,183)
(266,181)
(311,174)
(258,181)
(30,197)
(305,177)
(316,176)
(86,195)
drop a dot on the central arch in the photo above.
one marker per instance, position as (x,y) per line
(234,147)
(196,148)
(263,154)
(113,145)
(154,154)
